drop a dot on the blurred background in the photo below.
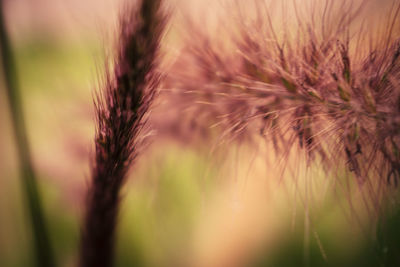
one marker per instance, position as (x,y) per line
(186,203)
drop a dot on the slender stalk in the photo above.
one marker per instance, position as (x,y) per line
(121,109)
(42,244)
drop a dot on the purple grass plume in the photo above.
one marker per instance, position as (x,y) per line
(122,107)
(325,81)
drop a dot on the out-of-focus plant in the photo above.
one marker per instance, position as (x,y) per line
(323,80)
(42,246)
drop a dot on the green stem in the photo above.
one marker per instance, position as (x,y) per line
(42,245)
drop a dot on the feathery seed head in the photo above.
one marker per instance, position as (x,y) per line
(323,84)
(122,108)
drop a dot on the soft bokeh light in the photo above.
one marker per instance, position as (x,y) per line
(188,202)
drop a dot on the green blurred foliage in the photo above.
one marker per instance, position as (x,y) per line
(163,199)
(159,210)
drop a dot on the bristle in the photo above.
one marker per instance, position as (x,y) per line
(338,96)
(122,106)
